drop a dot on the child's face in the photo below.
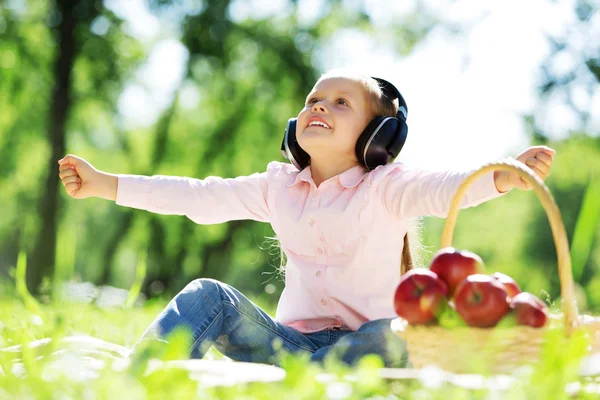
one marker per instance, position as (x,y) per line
(340,104)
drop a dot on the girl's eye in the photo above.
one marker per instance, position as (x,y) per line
(341,101)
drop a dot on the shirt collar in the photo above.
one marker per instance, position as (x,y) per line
(348,179)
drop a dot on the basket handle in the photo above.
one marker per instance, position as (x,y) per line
(565,272)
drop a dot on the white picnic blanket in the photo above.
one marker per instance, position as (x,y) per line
(83,358)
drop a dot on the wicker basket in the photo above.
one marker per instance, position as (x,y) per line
(499,350)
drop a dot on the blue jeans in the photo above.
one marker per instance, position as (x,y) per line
(217,314)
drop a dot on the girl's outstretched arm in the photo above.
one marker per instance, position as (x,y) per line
(409,193)
(204,201)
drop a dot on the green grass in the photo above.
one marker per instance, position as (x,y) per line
(33,373)
(22,324)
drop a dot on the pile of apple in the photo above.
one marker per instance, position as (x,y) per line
(456,282)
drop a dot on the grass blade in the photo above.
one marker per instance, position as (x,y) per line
(140,275)
(585,228)
(30,302)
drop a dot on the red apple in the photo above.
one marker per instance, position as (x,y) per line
(481,300)
(420,296)
(512,288)
(453,266)
(529,310)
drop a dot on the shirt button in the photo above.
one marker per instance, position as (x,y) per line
(311,221)
(323,302)
(318,273)
(320,250)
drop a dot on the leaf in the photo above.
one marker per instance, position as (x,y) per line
(140,275)
(30,302)
(585,228)
(449,318)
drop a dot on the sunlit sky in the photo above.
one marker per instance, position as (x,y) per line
(466,93)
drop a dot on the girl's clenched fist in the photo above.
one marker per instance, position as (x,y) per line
(537,158)
(81,180)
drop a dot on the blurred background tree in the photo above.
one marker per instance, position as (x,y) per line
(64,63)
(570,87)
(518,239)
(65,68)
(68,70)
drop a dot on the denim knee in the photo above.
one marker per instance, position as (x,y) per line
(201,284)
(193,309)
(198,295)
(206,287)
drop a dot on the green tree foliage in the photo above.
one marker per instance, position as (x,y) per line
(248,76)
(570,78)
(55,73)
(517,238)
(64,68)
(571,72)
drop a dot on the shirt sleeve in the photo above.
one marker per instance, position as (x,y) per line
(205,201)
(407,193)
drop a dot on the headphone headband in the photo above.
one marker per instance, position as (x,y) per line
(391,92)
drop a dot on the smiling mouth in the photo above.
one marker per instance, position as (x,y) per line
(318,124)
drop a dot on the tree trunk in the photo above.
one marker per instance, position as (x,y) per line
(216,258)
(110,251)
(177,267)
(42,263)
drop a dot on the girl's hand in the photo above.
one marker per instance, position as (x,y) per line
(538,158)
(81,180)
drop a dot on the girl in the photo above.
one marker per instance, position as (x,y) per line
(341,214)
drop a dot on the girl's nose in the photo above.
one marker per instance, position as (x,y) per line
(319,106)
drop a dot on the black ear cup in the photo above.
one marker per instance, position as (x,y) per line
(291,149)
(380,142)
(398,143)
(384,137)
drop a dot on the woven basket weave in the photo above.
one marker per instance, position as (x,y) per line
(499,350)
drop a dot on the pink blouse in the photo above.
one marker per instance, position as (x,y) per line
(343,240)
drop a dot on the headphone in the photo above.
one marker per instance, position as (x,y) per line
(379,144)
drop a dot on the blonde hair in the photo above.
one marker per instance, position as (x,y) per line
(379,106)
